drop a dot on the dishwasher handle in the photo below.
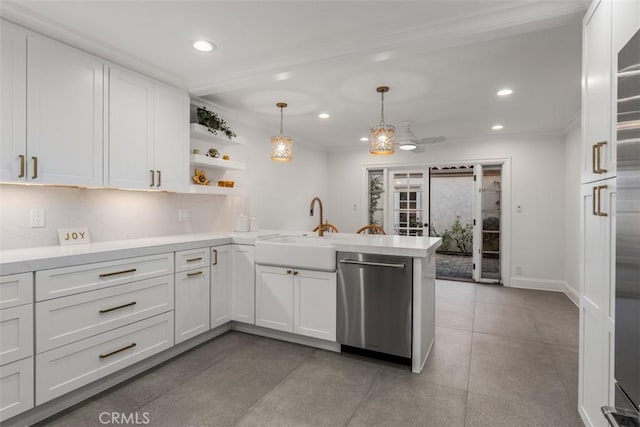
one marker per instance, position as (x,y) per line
(372,263)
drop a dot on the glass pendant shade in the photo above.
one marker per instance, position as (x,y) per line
(281,145)
(382,139)
(281,148)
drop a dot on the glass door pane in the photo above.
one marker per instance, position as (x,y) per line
(376,197)
(491,195)
(407,208)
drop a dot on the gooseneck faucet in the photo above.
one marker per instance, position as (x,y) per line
(320,230)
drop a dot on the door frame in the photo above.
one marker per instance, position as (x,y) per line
(505,237)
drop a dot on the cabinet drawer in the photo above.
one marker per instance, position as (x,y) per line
(16,333)
(194,258)
(64,369)
(65,281)
(16,289)
(16,388)
(64,320)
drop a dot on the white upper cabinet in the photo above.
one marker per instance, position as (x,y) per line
(148,133)
(171,132)
(13,103)
(65,114)
(598,159)
(130,143)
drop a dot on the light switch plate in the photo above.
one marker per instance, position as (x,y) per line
(37,218)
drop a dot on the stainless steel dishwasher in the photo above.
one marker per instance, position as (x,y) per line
(374,302)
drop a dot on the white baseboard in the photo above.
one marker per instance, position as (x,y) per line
(573,295)
(538,284)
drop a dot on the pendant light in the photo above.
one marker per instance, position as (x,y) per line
(281,144)
(382,134)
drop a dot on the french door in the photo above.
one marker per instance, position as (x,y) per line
(408,203)
(487,229)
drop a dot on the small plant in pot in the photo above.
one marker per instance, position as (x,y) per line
(213,122)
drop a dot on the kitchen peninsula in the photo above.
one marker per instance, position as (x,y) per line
(93,315)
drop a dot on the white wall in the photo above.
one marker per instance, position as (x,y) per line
(277,194)
(537,184)
(572,150)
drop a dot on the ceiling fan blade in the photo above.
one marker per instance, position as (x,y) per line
(433,140)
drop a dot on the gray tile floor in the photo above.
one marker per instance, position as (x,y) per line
(502,357)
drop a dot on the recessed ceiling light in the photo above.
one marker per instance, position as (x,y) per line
(324,115)
(504,92)
(364,139)
(497,127)
(285,75)
(203,46)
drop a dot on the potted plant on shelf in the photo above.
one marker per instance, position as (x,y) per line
(213,122)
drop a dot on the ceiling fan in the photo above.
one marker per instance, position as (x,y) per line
(407,140)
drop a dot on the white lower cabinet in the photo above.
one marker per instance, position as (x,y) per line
(242,284)
(16,333)
(64,320)
(274,298)
(192,303)
(16,388)
(298,301)
(220,285)
(315,304)
(66,368)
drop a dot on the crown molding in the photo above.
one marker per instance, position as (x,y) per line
(35,22)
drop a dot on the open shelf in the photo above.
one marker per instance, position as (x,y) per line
(200,133)
(217,163)
(212,189)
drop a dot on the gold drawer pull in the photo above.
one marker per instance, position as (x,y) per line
(295,273)
(194,259)
(22,159)
(215,258)
(104,356)
(197,273)
(107,310)
(132,270)
(159,178)
(601,187)
(289,271)
(153,179)
(35,167)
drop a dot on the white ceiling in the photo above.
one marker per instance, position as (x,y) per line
(443,60)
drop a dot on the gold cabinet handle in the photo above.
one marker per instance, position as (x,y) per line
(35,167)
(194,259)
(22,159)
(598,146)
(131,270)
(197,273)
(295,273)
(594,155)
(601,187)
(289,271)
(215,257)
(127,347)
(153,179)
(595,193)
(107,310)
(159,178)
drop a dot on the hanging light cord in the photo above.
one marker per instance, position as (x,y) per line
(281,115)
(382,109)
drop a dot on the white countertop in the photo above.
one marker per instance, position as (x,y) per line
(14,261)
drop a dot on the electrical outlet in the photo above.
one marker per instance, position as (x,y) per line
(355,207)
(184,215)
(37,218)
(518,270)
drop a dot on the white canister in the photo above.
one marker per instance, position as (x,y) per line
(253,224)
(242,223)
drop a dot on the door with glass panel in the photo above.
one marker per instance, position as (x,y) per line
(487,256)
(408,203)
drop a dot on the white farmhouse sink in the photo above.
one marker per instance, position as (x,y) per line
(307,252)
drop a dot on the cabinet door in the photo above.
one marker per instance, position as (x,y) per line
(192,303)
(65,111)
(171,138)
(16,388)
(314,305)
(598,160)
(242,284)
(274,298)
(16,333)
(220,285)
(130,159)
(596,384)
(13,104)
